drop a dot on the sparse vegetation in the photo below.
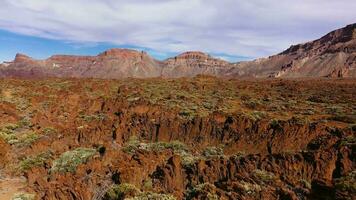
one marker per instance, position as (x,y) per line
(305,184)
(264,176)
(12,134)
(34,161)
(250,188)
(23,196)
(177,147)
(94,117)
(347,183)
(70,160)
(152,196)
(204,190)
(121,191)
(131,192)
(213,152)
(348,141)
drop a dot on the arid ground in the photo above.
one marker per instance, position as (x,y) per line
(188,138)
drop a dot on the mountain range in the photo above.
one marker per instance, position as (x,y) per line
(333,55)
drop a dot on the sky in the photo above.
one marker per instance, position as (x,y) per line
(233,30)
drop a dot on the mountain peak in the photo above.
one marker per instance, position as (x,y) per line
(193,55)
(122,53)
(340,40)
(22,58)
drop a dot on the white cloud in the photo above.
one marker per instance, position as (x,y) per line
(250,28)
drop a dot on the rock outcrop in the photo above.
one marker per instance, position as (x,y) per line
(193,63)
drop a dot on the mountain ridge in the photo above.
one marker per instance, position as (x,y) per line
(333,55)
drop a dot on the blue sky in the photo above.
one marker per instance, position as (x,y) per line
(42,48)
(230,29)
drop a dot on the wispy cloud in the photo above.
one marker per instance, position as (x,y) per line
(250,28)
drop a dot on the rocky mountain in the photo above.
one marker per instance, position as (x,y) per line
(194,63)
(111,64)
(333,55)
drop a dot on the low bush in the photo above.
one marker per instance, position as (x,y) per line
(203,191)
(347,183)
(213,152)
(34,161)
(177,147)
(264,176)
(23,196)
(70,160)
(118,192)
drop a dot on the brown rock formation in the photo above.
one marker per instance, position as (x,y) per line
(333,55)
(193,63)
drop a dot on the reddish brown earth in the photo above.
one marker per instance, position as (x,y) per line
(333,55)
(256,139)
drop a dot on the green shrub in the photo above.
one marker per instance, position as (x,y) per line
(305,183)
(118,192)
(250,188)
(264,176)
(152,196)
(177,147)
(213,151)
(347,183)
(10,135)
(131,192)
(70,160)
(94,117)
(204,191)
(348,141)
(27,139)
(23,196)
(34,161)
(132,145)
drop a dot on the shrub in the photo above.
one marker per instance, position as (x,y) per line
(132,145)
(213,151)
(252,104)
(204,191)
(348,141)
(177,147)
(49,131)
(152,196)
(27,139)
(9,134)
(305,183)
(347,183)
(257,115)
(250,188)
(34,161)
(23,196)
(94,117)
(70,160)
(264,176)
(118,192)
(131,192)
